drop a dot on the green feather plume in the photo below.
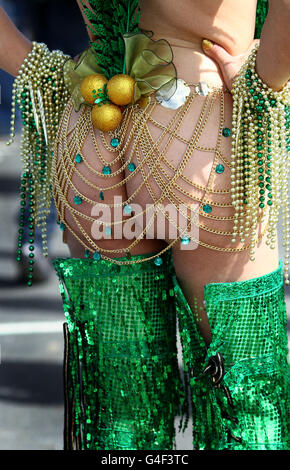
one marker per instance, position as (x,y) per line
(262,11)
(108,21)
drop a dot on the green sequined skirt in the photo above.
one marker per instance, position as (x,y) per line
(122,384)
(240,385)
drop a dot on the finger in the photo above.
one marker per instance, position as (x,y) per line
(216,52)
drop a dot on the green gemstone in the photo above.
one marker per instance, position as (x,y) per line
(78,158)
(101,196)
(207,208)
(62,226)
(127,210)
(77,200)
(108,231)
(185,241)
(87,253)
(158,261)
(97,256)
(115,142)
(131,167)
(226,132)
(220,169)
(269,203)
(261,205)
(106,170)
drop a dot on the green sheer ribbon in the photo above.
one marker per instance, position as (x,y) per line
(149,62)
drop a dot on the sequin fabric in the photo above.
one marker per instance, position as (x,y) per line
(122,383)
(249,409)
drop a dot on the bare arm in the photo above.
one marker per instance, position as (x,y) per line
(14,47)
(273,58)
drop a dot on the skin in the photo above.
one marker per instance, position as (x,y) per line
(230,26)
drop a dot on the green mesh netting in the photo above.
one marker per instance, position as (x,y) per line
(249,410)
(123,388)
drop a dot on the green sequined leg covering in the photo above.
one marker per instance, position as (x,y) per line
(122,382)
(240,385)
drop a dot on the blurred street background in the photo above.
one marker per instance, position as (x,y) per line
(31,342)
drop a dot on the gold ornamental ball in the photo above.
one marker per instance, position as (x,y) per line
(107,117)
(90,83)
(121,89)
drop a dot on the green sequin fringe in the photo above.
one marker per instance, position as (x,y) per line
(122,384)
(249,409)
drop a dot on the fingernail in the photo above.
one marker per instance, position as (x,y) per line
(207,44)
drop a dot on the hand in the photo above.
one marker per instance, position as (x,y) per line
(228,64)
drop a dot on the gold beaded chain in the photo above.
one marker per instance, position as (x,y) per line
(260,157)
(135,141)
(41,95)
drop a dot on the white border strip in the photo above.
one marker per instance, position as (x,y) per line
(30,328)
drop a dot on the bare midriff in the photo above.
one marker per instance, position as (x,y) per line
(184,24)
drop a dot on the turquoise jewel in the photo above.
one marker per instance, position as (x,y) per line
(78,158)
(220,169)
(127,210)
(115,142)
(77,200)
(131,167)
(101,196)
(62,226)
(87,253)
(97,256)
(108,231)
(207,208)
(158,261)
(106,170)
(185,241)
(226,132)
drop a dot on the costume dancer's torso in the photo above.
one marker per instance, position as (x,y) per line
(180,158)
